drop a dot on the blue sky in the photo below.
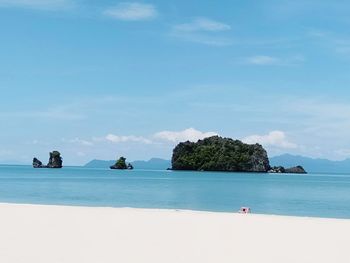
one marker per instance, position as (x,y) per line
(100,79)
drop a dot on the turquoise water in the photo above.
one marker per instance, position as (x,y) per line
(301,195)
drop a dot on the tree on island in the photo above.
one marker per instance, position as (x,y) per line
(121,164)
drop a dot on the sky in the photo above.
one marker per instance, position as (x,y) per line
(98,79)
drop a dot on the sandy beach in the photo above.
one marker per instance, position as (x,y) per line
(59,234)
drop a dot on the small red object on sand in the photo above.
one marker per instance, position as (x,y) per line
(244,210)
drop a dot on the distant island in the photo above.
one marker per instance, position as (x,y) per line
(152,164)
(120,164)
(224,154)
(293,170)
(210,154)
(55,161)
(312,165)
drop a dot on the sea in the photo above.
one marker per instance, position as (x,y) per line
(311,195)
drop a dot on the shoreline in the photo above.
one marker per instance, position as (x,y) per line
(70,234)
(179,210)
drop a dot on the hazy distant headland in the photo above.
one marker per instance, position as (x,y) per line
(312,165)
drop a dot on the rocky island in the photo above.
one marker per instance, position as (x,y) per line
(220,154)
(121,165)
(293,170)
(224,154)
(55,161)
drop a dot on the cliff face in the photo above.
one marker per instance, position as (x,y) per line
(220,154)
(55,160)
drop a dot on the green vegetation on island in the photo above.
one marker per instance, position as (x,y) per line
(122,165)
(220,154)
(224,154)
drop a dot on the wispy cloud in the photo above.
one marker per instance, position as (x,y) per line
(59,113)
(202,24)
(337,43)
(203,30)
(342,153)
(6,153)
(38,4)
(274,138)
(264,60)
(132,12)
(342,46)
(79,141)
(129,138)
(190,134)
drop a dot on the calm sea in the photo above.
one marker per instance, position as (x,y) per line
(317,195)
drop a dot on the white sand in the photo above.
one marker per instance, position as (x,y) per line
(58,234)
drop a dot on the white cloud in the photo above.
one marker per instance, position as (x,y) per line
(132,12)
(190,134)
(130,138)
(173,136)
(202,24)
(38,4)
(274,138)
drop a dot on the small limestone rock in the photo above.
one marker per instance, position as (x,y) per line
(37,163)
(55,161)
(296,170)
